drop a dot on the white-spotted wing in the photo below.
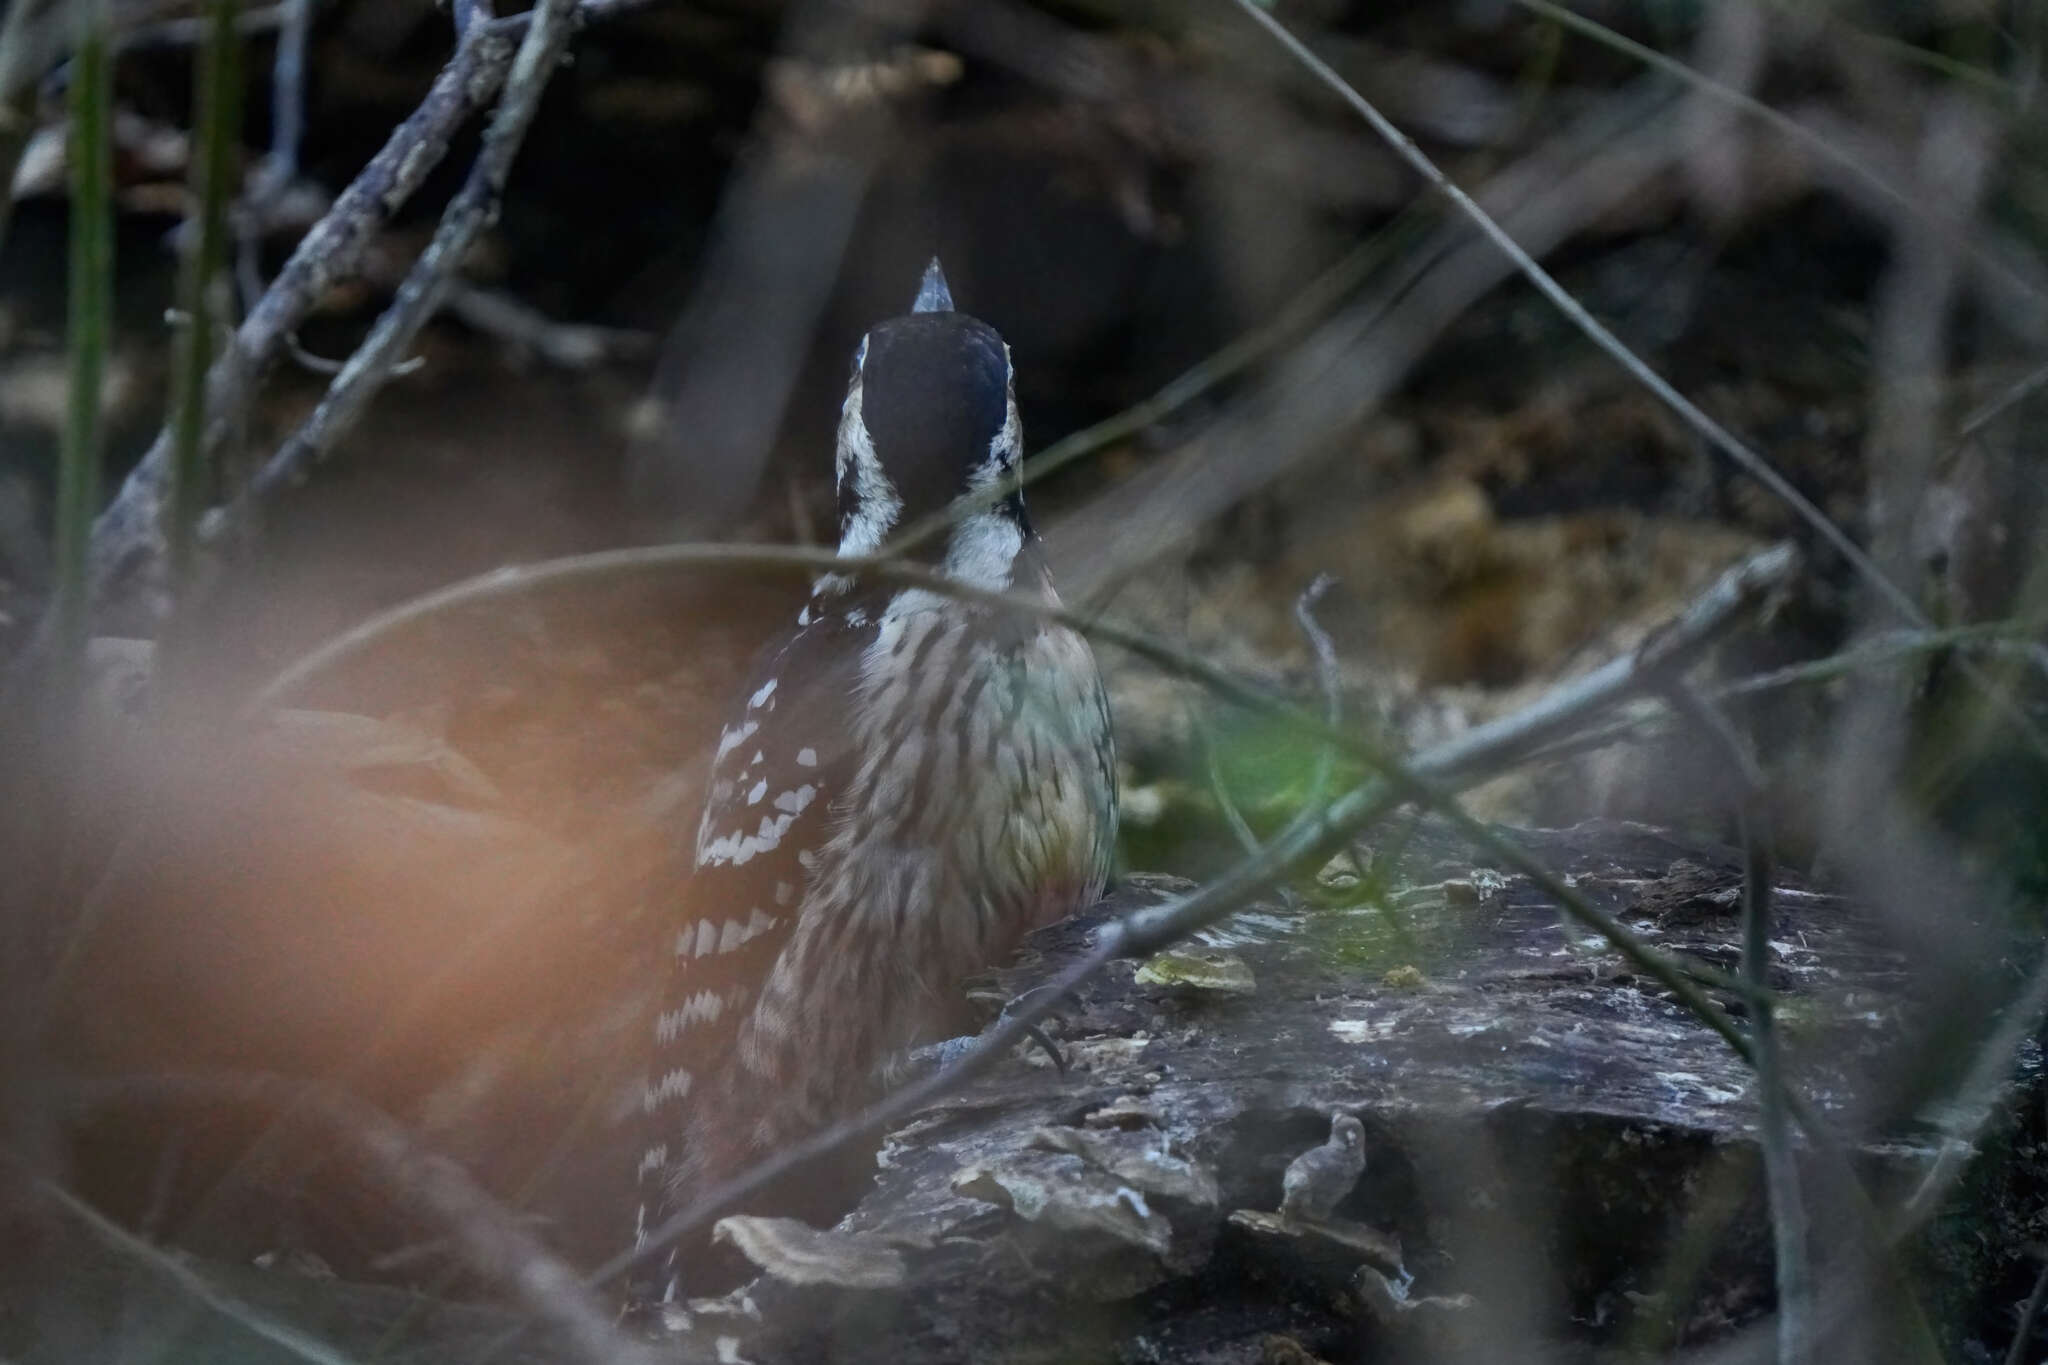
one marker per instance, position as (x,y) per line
(781,759)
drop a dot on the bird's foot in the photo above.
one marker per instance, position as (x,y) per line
(949,1050)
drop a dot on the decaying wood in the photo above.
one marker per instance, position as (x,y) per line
(1539,1119)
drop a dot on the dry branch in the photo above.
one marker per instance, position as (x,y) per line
(489,1235)
(128,544)
(1320,830)
(474,208)
(1347,366)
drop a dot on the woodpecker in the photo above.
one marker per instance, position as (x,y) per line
(1317,1180)
(907,785)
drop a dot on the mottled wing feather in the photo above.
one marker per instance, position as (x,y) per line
(782,757)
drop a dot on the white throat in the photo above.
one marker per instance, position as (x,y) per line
(982,550)
(877,506)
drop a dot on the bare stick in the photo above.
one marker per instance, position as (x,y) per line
(1977,1096)
(1324,387)
(488,1234)
(1489,746)
(288,92)
(1313,831)
(2017,392)
(1718,436)
(1781,1170)
(571,345)
(473,209)
(1240,828)
(1316,299)
(2023,1334)
(127,544)
(467,14)
(1555,714)
(127,541)
(1783,124)
(250,1319)
(2012,635)
(1328,676)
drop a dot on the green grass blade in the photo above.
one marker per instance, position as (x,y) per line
(216,119)
(90,300)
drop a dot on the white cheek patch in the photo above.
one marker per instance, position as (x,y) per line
(876,503)
(1003,450)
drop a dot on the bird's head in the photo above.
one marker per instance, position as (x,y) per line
(931,415)
(1347,1132)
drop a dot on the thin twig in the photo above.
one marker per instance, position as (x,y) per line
(1240,828)
(127,546)
(1489,746)
(467,14)
(1885,647)
(490,1236)
(571,345)
(473,209)
(1329,680)
(1996,636)
(2018,392)
(1323,388)
(1528,729)
(191,32)
(2023,1334)
(1315,831)
(250,1319)
(1781,123)
(1781,1169)
(1329,676)
(288,93)
(1976,1095)
(1316,300)
(1718,436)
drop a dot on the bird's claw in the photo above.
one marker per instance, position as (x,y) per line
(949,1050)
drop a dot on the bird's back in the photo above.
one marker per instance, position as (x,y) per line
(910,783)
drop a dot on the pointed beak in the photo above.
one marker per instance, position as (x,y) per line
(933,294)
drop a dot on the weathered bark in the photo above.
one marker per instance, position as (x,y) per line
(1545,1133)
